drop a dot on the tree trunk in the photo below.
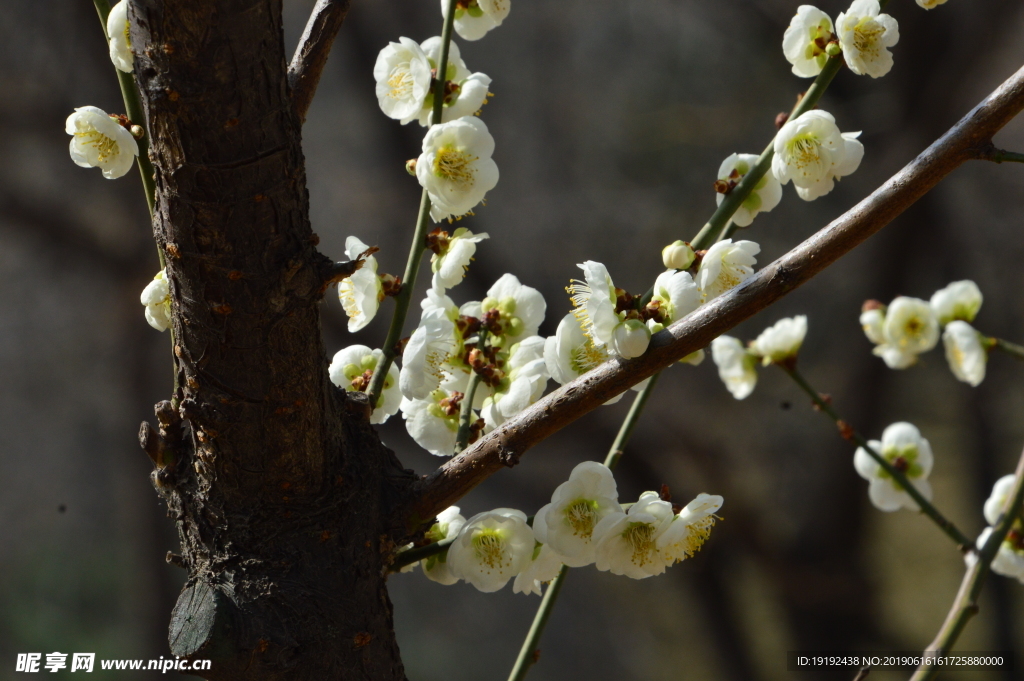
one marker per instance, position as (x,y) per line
(277,483)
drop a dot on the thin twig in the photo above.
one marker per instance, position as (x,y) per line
(966,604)
(848,433)
(1008,347)
(314,47)
(556,410)
(991,153)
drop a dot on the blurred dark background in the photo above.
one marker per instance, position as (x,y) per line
(611,120)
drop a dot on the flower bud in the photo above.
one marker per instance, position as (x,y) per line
(631,338)
(410,166)
(137,132)
(833,49)
(677,256)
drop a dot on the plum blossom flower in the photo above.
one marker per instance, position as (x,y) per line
(910,328)
(865,36)
(527,377)
(736,365)
(119,42)
(872,321)
(450,264)
(1009,559)
(456,167)
(782,341)
(725,266)
(678,255)
(965,352)
(425,355)
(402,72)
(804,42)
(157,299)
(903,447)
(434,422)
(478,17)
(578,505)
(627,543)
(465,92)
(959,300)
(522,308)
(352,368)
(676,296)
(99,141)
(570,353)
(594,300)
(687,531)
(361,293)
(544,567)
(810,151)
(449,523)
(997,499)
(492,548)
(766,193)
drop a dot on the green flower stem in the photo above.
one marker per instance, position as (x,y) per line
(409,556)
(1000,156)
(1008,347)
(528,653)
(734,199)
(966,604)
(963,543)
(419,237)
(133,108)
(466,412)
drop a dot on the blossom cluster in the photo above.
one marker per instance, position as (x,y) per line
(908,327)
(737,365)
(583,524)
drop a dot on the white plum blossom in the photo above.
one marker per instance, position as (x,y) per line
(910,328)
(361,293)
(965,352)
(449,523)
(119,41)
(157,299)
(456,167)
(544,567)
(960,300)
(492,548)
(627,543)
(433,423)
(872,321)
(903,447)
(465,92)
(865,36)
(736,365)
(725,266)
(595,300)
(522,308)
(806,39)
(782,341)
(425,355)
(99,141)
(689,529)
(478,17)
(570,353)
(631,338)
(527,377)
(678,255)
(402,72)
(810,151)
(449,267)
(930,4)
(996,501)
(578,505)
(1009,559)
(676,296)
(352,368)
(766,193)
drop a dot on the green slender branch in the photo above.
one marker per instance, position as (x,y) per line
(414,555)
(133,108)
(966,604)
(419,238)
(1008,347)
(1001,156)
(734,199)
(944,524)
(466,412)
(528,653)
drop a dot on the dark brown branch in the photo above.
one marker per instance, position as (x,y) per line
(967,140)
(311,54)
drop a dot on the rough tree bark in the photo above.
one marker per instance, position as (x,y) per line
(278,484)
